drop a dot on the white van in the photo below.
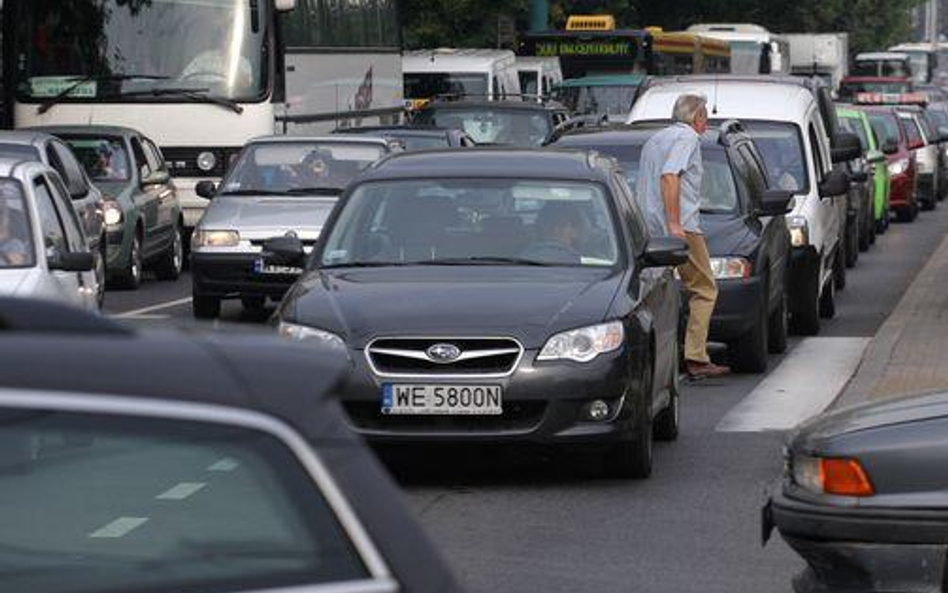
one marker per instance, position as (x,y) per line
(474,73)
(538,75)
(784,120)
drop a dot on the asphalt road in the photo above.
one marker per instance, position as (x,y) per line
(514,520)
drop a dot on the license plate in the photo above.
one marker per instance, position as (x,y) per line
(262,267)
(441,400)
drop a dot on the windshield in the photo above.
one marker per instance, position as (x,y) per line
(16,239)
(884,67)
(103,158)
(143,514)
(285,167)
(782,148)
(853,125)
(133,47)
(487,125)
(474,220)
(427,85)
(597,100)
(420,141)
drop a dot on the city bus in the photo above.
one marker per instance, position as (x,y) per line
(592,45)
(201,77)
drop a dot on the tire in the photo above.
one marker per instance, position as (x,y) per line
(171,262)
(882,225)
(668,421)
(205,307)
(101,273)
(131,276)
(777,330)
(632,458)
(805,308)
(866,236)
(749,353)
(851,250)
(839,270)
(906,214)
(828,301)
(253,304)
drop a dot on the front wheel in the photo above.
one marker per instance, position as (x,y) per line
(131,275)
(749,352)
(172,260)
(805,306)
(668,421)
(632,457)
(777,332)
(839,267)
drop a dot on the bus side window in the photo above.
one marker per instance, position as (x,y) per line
(498,91)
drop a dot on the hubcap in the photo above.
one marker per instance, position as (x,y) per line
(136,264)
(178,255)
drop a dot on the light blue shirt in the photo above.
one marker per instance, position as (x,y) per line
(676,150)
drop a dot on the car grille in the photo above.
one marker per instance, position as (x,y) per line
(182,160)
(479,357)
(517,417)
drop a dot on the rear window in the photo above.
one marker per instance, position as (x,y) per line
(108,504)
(16,238)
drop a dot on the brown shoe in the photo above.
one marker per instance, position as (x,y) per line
(705,370)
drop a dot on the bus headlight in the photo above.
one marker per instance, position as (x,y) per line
(799,231)
(206,161)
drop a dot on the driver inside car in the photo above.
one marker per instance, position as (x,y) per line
(14,251)
(560,233)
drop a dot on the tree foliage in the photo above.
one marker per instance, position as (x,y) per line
(872,24)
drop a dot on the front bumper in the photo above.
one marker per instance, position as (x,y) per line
(850,549)
(231,275)
(542,404)
(736,310)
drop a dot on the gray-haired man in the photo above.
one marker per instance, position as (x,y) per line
(669,185)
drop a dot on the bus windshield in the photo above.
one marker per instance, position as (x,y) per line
(116,50)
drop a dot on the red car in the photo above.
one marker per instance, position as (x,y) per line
(903,168)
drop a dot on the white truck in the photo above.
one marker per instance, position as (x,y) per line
(820,54)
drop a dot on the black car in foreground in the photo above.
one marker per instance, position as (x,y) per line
(864,497)
(188,464)
(495,295)
(744,226)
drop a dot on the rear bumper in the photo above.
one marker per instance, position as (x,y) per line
(902,191)
(736,310)
(860,549)
(232,275)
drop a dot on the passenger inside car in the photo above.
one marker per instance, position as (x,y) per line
(15,244)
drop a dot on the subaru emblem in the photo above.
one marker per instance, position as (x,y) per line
(443,353)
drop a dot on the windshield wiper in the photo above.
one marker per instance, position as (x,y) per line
(318,191)
(198,95)
(81,80)
(480,260)
(366,264)
(252,192)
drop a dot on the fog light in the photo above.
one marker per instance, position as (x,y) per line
(597,410)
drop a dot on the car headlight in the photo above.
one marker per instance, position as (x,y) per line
(799,230)
(898,167)
(585,344)
(206,161)
(112,213)
(842,476)
(205,238)
(303,333)
(728,268)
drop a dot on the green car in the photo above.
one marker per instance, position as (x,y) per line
(857,122)
(611,95)
(144,224)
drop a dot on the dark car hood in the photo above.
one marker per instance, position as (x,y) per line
(728,234)
(870,416)
(529,304)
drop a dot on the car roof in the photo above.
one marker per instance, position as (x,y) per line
(87,130)
(486,162)
(742,98)
(9,166)
(484,103)
(330,139)
(427,130)
(24,137)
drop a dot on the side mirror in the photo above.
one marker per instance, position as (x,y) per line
(775,202)
(890,147)
(71,262)
(875,157)
(284,251)
(859,177)
(665,251)
(835,184)
(846,148)
(157,178)
(205,189)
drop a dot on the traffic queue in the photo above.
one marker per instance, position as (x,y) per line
(494,269)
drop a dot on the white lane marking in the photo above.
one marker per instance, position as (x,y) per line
(119,528)
(158,307)
(224,465)
(181,491)
(805,383)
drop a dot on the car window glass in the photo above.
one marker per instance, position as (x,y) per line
(54,236)
(55,162)
(781,146)
(144,169)
(853,125)
(885,126)
(817,153)
(756,182)
(104,158)
(162,505)
(551,222)
(517,127)
(16,235)
(912,132)
(637,227)
(153,155)
(19,152)
(67,214)
(74,177)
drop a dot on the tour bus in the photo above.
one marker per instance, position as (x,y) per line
(489,74)
(202,77)
(754,49)
(591,45)
(538,76)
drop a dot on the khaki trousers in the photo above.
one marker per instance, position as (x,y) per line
(698,278)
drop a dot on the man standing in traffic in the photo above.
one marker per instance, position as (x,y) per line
(669,185)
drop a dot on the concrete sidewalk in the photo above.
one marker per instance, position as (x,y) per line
(909,354)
